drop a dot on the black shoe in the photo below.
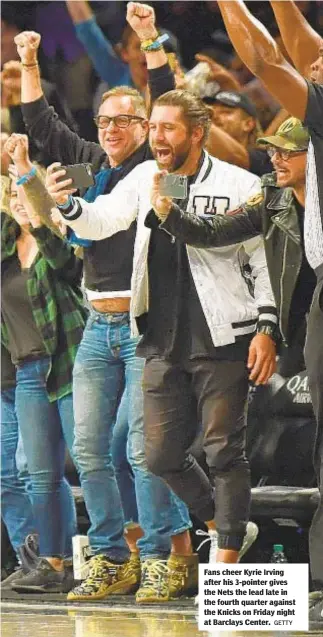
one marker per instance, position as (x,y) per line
(43,579)
(17,574)
(316,611)
(69,581)
(28,554)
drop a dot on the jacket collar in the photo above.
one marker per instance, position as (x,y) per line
(205,168)
(282,198)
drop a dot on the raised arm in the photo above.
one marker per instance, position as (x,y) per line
(301,41)
(27,44)
(42,123)
(57,252)
(221,145)
(142,19)
(104,59)
(40,203)
(259,51)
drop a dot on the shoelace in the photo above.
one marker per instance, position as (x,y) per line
(209,538)
(98,571)
(154,572)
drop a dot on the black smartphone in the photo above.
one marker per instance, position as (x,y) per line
(81,175)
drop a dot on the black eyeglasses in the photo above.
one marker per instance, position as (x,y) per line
(121,121)
(284,154)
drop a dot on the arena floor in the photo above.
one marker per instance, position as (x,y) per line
(49,617)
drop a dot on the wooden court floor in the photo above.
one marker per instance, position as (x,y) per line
(50,620)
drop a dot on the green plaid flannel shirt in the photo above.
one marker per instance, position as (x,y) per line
(56,301)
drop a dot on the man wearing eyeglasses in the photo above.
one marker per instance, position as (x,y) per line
(106,362)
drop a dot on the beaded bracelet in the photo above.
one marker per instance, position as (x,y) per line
(30,66)
(154,45)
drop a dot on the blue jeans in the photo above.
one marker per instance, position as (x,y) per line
(16,507)
(46,427)
(122,468)
(105,364)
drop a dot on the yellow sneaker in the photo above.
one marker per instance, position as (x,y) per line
(183,575)
(154,582)
(106,578)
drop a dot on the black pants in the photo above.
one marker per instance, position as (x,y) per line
(214,393)
(314,365)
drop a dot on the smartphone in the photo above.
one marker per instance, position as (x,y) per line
(81,175)
(174,186)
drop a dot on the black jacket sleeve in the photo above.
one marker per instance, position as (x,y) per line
(160,81)
(56,138)
(221,230)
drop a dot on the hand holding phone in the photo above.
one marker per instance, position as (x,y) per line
(63,181)
(165,188)
(80,174)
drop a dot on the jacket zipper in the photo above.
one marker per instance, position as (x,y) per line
(173,239)
(282,287)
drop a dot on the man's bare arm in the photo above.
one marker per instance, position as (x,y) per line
(259,51)
(223,146)
(275,123)
(27,46)
(301,41)
(142,20)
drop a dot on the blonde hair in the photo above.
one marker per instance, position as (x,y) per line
(193,108)
(136,99)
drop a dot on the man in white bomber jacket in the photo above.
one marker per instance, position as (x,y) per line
(205,332)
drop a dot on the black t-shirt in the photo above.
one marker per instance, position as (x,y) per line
(25,340)
(304,288)
(260,163)
(314,181)
(108,263)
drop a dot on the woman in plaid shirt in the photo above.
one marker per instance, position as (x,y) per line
(42,323)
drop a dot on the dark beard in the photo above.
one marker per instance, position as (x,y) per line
(179,160)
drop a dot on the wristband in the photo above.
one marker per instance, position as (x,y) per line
(68,204)
(268,330)
(154,45)
(27,177)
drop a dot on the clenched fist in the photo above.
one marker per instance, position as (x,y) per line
(141,18)
(17,148)
(27,46)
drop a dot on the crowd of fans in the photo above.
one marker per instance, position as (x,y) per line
(135,311)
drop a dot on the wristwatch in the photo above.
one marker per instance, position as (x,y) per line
(269,330)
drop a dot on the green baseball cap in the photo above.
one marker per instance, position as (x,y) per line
(291,135)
